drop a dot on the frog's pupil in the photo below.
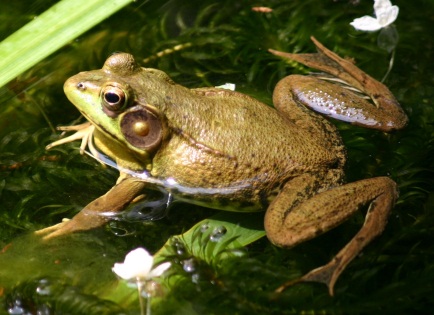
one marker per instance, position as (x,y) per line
(112,98)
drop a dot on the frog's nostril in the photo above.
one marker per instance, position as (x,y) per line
(81,86)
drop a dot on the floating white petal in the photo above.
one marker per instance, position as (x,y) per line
(388,17)
(227,86)
(385,14)
(159,270)
(366,23)
(138,265)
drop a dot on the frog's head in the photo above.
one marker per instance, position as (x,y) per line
(112,99)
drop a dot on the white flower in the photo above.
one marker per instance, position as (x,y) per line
(227,86)
(138,266)
(385,14)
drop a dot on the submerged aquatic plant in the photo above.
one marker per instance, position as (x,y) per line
(137,269)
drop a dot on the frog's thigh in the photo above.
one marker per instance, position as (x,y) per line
(93,215)
(338,102)
(288,227)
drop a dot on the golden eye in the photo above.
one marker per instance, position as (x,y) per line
(114,98)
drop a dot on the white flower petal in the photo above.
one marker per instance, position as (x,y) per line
(140,261)
(123,271)
(388,17)
(381,6)
(137,264)
(366,23)
(227,86)
(159,270)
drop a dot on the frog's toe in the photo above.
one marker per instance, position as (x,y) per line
(66,227)
(327,274)
(53,231)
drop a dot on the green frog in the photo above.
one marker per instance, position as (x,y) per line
(226,150)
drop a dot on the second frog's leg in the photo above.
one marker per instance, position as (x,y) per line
(291,220)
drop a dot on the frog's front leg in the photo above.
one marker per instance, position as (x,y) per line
(295,216)
(95,213)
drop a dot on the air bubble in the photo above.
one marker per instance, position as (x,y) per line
(189,265)
(43,288)
(217,234)
(204,227)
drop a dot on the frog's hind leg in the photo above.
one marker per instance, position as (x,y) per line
(383,112)
(291,220)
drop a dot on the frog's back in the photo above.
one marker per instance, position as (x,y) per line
(224,137)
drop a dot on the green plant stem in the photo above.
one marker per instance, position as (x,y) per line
(148,304)
(391,62)
(140,286)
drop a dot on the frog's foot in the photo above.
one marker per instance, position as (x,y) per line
(51,229)
(83,132)
(99,211)
(296,216)
(83,221)
(63,228)
(327,274)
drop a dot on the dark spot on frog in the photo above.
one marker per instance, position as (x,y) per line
(337,259)
(364,78)
(265,199)
(360,239)
(223,202)
(247,204)
(318,231)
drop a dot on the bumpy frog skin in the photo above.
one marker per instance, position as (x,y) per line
(226,150)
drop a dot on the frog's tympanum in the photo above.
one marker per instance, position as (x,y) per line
(225,150)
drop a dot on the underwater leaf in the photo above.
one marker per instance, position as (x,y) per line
(210,237)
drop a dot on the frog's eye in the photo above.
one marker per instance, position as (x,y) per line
(113,99)
(142,128)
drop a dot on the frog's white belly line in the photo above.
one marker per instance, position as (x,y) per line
(208,197)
